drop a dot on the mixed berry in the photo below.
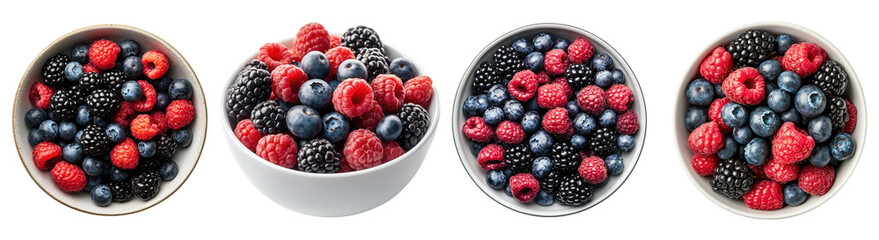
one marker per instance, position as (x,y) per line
(329,104)
(548,119)
(769,122)
(107,120)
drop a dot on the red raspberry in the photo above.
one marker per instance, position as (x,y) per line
(353,97)
(551,96)
(765,195)
(46,154)
(476,129)
(89,67)
(758,171)
(542,78)
(852,117)
(706,139)
(274,55)
(279,149)
(388,92)
(370,118)
(791,144)
(524,187)
(716,66)
(40,95)
(103,54)
(627,123)
(124,155)
(392,150)
(335,40)
(344,166)
(491,157)
(564,83)
(336,56)
(555,62)
(311,37)
(155,64)
(143,128)
(714,112)
(580,50)
(619,97)
(180,113)
(704,165)
(523,86)
(125,113)
(418,90)
(68,177)
(816,180)
(510,132)
(592,100)
(556,121)
(158,118)
(363,149)
(593,170)
(286,80)
(247,134)
(745,86)
(148,100)
(780,172)
(803,58)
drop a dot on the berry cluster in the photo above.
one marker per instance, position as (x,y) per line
(768,121)
(329,104)
(107,120)
(548,120)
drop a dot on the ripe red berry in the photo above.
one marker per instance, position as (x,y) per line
(353,97)
(247,134)
(524,187)
(716,66)
(705,139)
(155,64)
(714,112)
(40,95)
(491,157)
(336,56)
(311,37)
(592,100)
(627,123)
(619,97)
(852,117)
(418,90)
(477,130)
(803,58)
(704,165)
(143,128)
(816,181)
(46,155)
(593,170)
(556,121)
(125,114)
(510,132)
(363,149)
(523,86)
(180,113)
(68,177)
(388,92)
(765,195)
(555,62)
(392,150)
(580,50)
(551,96)
(745,86)
(274,55)
(781,172)
(125,155)
(103,53)
(370,118)
(279,149)
(148,100)
(286,80)
(791,144)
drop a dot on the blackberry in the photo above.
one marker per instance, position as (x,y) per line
(361,37)
(415,123)
(63,103)
(256,64)
(375,60)
(146,185)
(579,76)
(519,158)
(550,183)
(165,146)
(318,156)
(732,178)
(254,85)
(574,190)
(752,48)
(94,141)
(103,103)
(114,80)
(485,77)
(89,82)
(53,71)
(507,61)
(269,118)
(837,112)
(604,142)
(831,78)
(564,157)
(148,164)
(121,191)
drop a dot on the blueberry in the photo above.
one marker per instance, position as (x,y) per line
(475,105)
(742,135)
(601,62)
(403,68)
(618,76)
(182,136)
(784,42)
(77,136)
(48,130)
(542,42)
(389,128)
(604,78)
(496,179)
(789,81)
(793,194)
(522,46)
(475,147)
(161,85)
(718,91)
(513,110)
(493,116)
(51,116)
(540,143)
(34,117)
(561,43)
(351,68)
(608,118)
(578,141)
(73,71)
(756,151)
(497,95)
(573,108)
(584,124)
(541,167)
(336,126)
(696,116)
(180,89)
(118,174)
(101,122)
(92,182)
(729,148)
(304,122)
(129,48)
(72,153)
(614,164)
(770,86)
(842,146)
(544,198)
(820,128)
(820,156)
(769,69)
(92,166)
(66,131)
(531,121)
(80,53)
(509,192)
(810,101)
(700,92)
(168,170)
(101,195)
(131,91)
(734,115)
(625,142)
(162,101)
(532,104)
(778,100)
(316,93)
(764,122)
(284,105)
(316,65)
(146,148)
(534,61)
(33,137)
(790,115)
(115,133)
(132,67)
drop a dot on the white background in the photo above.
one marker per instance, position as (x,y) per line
(659,40)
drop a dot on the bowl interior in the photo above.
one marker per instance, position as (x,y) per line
(854,93)
(186,158)
(468,159)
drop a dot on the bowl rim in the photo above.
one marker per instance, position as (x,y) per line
(853,79)
(229,131)
(148,204)
(462,85)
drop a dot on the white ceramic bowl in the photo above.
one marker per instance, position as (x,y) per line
(329,195)
(186,158)
(468,159)
(854,94)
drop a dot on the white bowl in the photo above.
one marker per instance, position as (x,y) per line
(468,159)
(186,158)
(329,195)
(854,94)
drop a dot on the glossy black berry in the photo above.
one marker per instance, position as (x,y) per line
(519,158)
(94,141)
(831,78)
(564,157)
(318,156)
(103,102)
(253,86)
(53,71)
(269,118)
(579,76)
(752,48)
(415,120)
(375,60)
(732,178)
(574,190)
(485,77)
(146,185)
(361,37)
